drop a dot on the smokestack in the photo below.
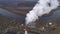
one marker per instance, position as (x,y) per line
(41,8)
(26,32)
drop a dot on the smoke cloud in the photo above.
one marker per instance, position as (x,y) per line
(41,8)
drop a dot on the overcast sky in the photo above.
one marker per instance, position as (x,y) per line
(18,0)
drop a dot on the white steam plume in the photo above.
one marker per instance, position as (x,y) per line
(41,8)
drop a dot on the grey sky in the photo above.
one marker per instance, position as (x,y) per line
(18,0)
